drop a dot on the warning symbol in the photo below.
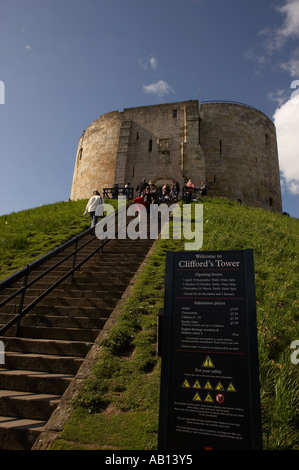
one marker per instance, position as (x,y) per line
(208,386)
(208,362)
(219,386)
(196,384)
(231,388)
(208,398)
(219,398)
(185,384)
(196,397)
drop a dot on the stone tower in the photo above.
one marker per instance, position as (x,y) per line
(231,146)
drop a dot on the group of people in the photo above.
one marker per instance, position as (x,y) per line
(166,193)
(148,194)
(190,188)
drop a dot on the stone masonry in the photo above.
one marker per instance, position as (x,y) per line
(231,146)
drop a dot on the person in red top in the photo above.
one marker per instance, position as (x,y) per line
(190,188)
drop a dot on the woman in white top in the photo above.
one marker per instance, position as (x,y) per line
(92,204)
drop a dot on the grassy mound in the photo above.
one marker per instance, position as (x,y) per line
(27,235)
(120,404)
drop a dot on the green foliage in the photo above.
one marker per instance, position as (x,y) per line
(30,234)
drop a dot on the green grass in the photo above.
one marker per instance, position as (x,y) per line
(119,406)
(123,390)
(30,234)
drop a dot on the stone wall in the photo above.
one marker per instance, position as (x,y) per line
(95,159)
(155,144)
(230,146)
(241,154)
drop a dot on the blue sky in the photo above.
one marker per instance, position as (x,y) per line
(63,63)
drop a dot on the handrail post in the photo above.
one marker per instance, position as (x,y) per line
(22,297)
(74,260)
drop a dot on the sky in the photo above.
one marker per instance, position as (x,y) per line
(64,63)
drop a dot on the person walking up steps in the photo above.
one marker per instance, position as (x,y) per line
(95,200)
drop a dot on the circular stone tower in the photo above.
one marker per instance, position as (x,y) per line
(231,146)
(241,154)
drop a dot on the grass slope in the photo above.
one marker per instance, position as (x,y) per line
(27,235)
(119,407)
(120,404)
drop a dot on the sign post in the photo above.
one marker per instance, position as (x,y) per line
(209,397)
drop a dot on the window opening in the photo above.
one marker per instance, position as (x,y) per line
(80,153)
(199,122)
(175,113)
(150,145)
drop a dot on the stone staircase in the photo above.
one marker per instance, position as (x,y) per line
(43,355)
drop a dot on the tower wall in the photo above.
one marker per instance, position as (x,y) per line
(95,159)
(155,145)
(231,146)
(241,154)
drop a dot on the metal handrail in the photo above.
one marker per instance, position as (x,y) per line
(120,190)
(30,267)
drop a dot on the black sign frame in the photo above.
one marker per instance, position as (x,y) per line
(190,414)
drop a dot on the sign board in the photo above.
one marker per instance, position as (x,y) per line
(210,380)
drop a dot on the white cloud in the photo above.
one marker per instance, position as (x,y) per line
(292,66)
(290,27)
(28,47)
(149,63)
(274,40)
(160,88)
(153,62)
(286,120)
(280,96)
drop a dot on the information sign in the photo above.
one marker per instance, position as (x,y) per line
(209,382)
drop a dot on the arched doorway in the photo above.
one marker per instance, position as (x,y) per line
(160,182)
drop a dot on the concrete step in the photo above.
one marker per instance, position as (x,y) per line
(43,355)
(27,404)
(34,381)
(16,434)
(116,278)
(67,310)
(47,346)
(42,362)
(96,268)
(67,334)
(98,303)
(56,321)
(68,290)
